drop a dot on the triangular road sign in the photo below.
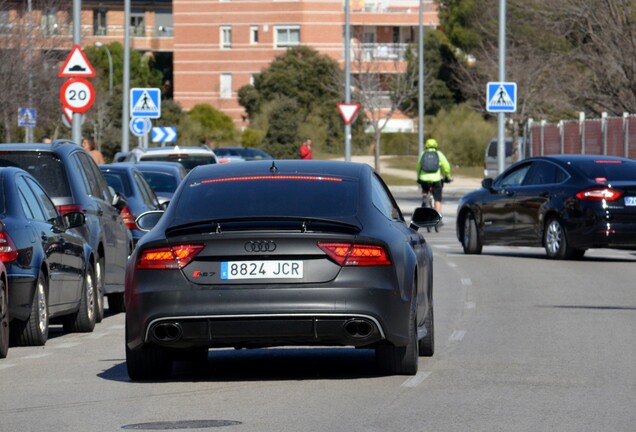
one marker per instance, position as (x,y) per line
(76,65)
(348,111)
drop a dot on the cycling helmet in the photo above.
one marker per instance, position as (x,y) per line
(431,143)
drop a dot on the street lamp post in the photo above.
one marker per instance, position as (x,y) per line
(110,66)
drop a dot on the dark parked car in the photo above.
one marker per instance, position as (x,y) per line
(246,153)
(73,181)
(566,204)
(314,253)
(163,177)
(49,266)
(4,312)
(128,181)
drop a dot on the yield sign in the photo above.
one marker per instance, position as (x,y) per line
(348,111)
(76,65)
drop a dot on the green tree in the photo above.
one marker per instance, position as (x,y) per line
(217,128)
(299,88)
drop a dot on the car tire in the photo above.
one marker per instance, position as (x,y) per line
(99,284)
(83,320)
(116,303)
(470,239)
(400,360)
(555,240)
(34,331)
(4,320)
(148,363)
(426,345)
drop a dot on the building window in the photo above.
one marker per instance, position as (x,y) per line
(49,21)
(137,24)
(254,34)
(286,36)
(100,27)
(226,37)
(226,86)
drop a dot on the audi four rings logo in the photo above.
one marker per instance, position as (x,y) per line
(260,246)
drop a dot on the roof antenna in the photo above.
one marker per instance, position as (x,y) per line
(273,169)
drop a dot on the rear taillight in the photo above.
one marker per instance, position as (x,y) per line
(165,258)
(348,254)
(129,218)
(69,208)
(8,251)
(599,194)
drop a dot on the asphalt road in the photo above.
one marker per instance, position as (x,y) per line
(523,343)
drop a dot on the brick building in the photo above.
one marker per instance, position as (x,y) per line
(218,45)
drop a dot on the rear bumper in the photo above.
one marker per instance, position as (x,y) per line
(260,317)
(604,235)
(21,293)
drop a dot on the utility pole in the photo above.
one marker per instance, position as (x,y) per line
(29,129)
(420,86)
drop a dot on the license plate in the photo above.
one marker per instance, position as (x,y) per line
(261,270)
(630,201)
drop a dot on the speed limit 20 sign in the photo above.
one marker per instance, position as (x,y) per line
(77,94)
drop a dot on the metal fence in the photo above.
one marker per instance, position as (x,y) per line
(613,136)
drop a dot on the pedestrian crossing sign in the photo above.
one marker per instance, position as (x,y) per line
(27,117)
(145,102)
(502,97)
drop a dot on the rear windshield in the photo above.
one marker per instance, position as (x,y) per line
(293,196)
(188,161)
(47,169)
(603,170)
(160,182)
(119,182)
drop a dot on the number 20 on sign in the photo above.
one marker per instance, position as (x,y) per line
(77,94)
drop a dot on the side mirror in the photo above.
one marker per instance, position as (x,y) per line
(74,219)
(424,217)
(147,220)
(487,183)
(119,201)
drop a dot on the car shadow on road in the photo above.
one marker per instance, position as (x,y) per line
(271,364)
(539,254)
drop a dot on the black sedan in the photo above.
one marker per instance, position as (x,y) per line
(315,253)
(128,181)
(565,203)
(50,269)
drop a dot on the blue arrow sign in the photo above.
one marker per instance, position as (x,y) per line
(502,97)
(145,102)
(164,134)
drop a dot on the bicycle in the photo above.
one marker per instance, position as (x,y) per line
(429,201)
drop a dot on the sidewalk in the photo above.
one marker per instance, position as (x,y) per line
(459,186)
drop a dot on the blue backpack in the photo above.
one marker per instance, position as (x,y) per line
(430,161)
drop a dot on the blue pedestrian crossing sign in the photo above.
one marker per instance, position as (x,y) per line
(502,97)
(27,117)
(145,102)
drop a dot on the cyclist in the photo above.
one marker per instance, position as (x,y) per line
(433,170)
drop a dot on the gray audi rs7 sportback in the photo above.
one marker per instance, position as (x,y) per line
(280,253)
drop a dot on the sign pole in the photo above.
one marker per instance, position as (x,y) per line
(347,56)
(76,126)
(125,113)
(501,117)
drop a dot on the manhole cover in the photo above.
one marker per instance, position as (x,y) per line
(183,424)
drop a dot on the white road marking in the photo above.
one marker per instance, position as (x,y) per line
(36,356)
(66,345)
(467,282)
(452,264)
(457,335)
(471,305)
(6,366)
(116,327)
(415,380)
